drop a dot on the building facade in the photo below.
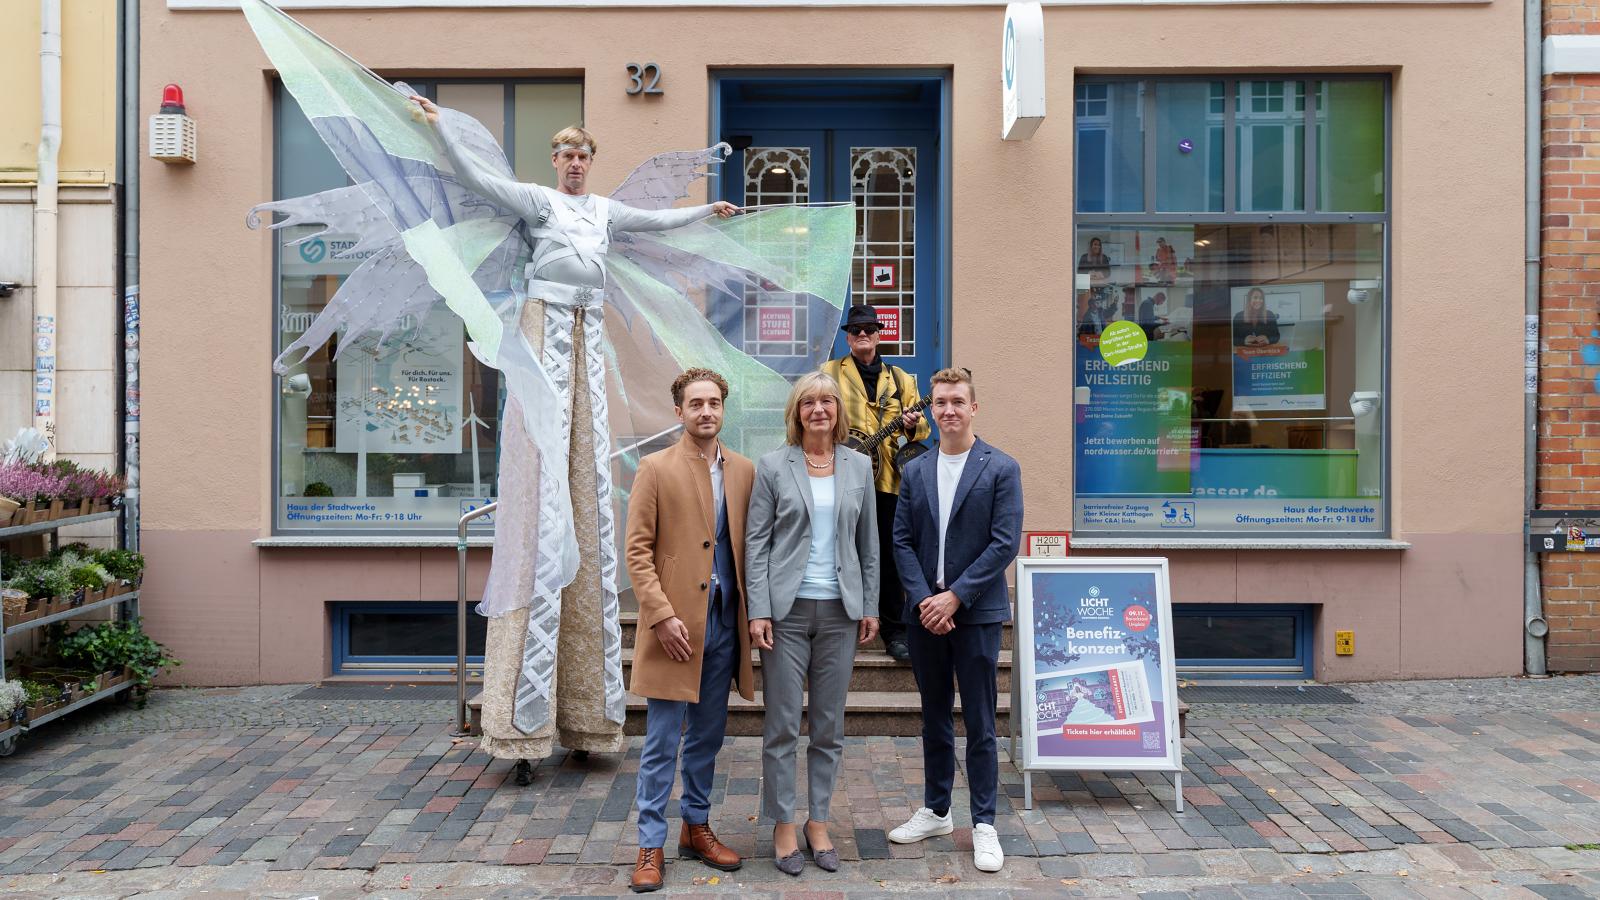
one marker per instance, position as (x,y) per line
(1313,216)
(76,372)
(1569,421)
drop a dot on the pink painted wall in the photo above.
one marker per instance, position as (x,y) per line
(1448,606)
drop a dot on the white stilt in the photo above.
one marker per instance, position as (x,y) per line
(1177,787)
(1027,789)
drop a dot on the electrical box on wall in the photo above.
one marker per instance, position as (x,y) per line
(1344,643)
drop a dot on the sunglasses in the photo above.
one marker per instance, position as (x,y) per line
(863,329)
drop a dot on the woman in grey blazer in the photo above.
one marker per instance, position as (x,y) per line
(811,567)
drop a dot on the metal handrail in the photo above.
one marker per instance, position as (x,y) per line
(463,726)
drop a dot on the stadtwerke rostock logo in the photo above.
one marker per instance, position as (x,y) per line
(1010,52)
(313,251)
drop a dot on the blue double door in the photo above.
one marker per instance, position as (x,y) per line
(873,143)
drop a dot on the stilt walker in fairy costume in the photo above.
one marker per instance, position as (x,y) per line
(576,299)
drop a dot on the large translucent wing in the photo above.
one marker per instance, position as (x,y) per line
(664,179)
(695,296)
(462,246)
(341,211)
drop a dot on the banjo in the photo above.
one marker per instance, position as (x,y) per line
(862,442)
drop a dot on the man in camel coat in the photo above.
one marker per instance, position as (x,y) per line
(685,552)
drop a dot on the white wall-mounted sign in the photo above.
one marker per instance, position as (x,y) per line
(1022,71)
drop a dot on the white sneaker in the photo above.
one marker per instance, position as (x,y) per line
(986,853)
(924,824)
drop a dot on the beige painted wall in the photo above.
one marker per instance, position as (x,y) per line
(235,613)
(88,91)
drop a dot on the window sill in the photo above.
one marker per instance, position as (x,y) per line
(377,540)
(1114,543)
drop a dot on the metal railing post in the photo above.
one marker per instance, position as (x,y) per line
(463,726)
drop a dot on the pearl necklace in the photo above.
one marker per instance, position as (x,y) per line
(815,465)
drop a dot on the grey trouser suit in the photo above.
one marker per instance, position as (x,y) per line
(812,640)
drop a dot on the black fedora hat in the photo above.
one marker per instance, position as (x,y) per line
(861,314)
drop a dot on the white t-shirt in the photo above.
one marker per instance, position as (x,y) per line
(821,578)
(950,466)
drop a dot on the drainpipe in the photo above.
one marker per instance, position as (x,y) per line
(45,215)
(130,272)
(1534,625)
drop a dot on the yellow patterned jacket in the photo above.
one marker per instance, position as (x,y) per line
(865,415)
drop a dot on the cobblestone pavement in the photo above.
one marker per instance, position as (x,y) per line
(1464,786)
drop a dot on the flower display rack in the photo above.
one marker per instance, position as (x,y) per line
(123,598)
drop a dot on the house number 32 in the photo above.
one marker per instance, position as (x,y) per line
(644,79)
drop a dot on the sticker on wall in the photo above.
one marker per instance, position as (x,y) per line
(1186,146)
(42,344)
(1122,343)
(44,324)
(883,275)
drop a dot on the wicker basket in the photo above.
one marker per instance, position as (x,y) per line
(13,601)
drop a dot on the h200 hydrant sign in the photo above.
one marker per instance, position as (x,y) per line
(1095,662)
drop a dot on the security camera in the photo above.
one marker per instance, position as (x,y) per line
(1362,291)
(1364,403)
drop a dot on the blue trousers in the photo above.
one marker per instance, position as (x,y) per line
(706,721)
(968,656)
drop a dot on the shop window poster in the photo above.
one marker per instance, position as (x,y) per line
(1279,348)
(1096,665)
(404,396)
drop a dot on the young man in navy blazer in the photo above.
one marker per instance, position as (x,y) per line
(957,527)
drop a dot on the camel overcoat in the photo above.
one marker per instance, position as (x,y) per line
(669,548)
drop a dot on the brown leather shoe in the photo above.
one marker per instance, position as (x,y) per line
(647,871)
(699,842)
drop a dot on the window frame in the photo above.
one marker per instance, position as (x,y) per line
(427,87)
(1298,667)
(1152,217)
(345,663)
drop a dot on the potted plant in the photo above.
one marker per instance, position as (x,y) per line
(41,697)
(111,645)
(89,578)
(125,567)
(37,490)
(13,703)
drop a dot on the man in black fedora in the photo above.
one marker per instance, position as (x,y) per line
(876,396)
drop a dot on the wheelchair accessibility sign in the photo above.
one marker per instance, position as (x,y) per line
(1177,514)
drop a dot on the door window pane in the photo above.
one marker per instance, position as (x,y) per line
(776,322)
(1350,146)
(1189,161)
(883,184)
(1109,123)
(1270,153)
(1258,407)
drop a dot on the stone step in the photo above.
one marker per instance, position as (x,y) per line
(867,713)
(630,626)
(874,671)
